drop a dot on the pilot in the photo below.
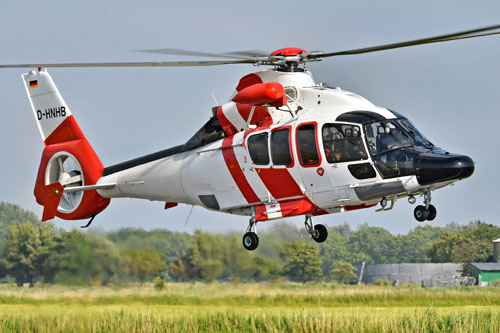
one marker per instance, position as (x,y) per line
(331,155)
(334,135)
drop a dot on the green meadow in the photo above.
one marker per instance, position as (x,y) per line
(258,307)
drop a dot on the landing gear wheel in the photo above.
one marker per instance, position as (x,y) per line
(432,212)
(421,214)
(320,233)
(250,241)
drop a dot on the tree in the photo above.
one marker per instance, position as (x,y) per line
(343,229)
(264,269)
(472,244)
(203,260)
(79,258)
(413,247)
(279,233)
(144,263)
(334,249)
(26,248)
(236,259)
(373,245)
(301,261)
(172,244)
(13,213)
(179,270)
(343,272)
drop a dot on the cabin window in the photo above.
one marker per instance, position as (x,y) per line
(306,142)
(342,143)
(258,149)
(280,147)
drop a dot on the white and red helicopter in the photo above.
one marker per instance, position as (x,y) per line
(282,146)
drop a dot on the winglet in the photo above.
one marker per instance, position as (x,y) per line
(53,193)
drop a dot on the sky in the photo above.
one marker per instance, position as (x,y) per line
(449,90)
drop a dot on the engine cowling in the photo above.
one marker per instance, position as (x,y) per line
(262,94)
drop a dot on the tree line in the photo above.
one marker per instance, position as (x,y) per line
(31,252)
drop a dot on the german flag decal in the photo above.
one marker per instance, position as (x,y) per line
(34,84)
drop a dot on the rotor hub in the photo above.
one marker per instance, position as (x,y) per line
(288,58)
(288,51)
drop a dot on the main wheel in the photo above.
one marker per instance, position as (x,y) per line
(432,213)
(320,233)
(420,213)
(250,241)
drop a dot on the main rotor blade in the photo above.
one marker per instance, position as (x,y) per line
(135,64)
(437,39)
(195,53)
(250,53)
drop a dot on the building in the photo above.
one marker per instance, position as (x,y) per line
(486,272)
(426,275)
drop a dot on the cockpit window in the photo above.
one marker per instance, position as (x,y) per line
(258,149)
(342,143)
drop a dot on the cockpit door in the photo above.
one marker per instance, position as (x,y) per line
(345,160)
(311,165)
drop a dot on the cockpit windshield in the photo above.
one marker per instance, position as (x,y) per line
(388,135)
(409,128)
(386,138)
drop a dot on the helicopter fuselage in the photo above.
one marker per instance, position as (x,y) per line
(326,151)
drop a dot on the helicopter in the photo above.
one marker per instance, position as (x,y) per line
(282,146)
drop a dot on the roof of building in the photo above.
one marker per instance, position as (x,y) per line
(487,266)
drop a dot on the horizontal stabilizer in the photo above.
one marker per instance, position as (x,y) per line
(88,188)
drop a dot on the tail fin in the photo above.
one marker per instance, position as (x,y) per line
(67,160)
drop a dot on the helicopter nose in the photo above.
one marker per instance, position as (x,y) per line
(435,168)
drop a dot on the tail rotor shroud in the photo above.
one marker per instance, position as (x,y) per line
(64,168)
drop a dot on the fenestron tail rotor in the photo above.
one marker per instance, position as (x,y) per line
(65,169)
(283,58)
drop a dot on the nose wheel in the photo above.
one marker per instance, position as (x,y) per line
(422,214)
(318,232)
(426,212)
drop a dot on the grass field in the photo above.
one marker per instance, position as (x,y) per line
(225,307)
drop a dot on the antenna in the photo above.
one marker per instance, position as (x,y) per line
(215,99)
(189,215)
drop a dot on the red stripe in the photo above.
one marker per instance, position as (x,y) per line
(236,172)
(68,130)
(170,204)
(292,207)
(319,211)
(260,213)
(250,131)
(297,207)
(362,206)
(279,183)
(227,126)
(260,117)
